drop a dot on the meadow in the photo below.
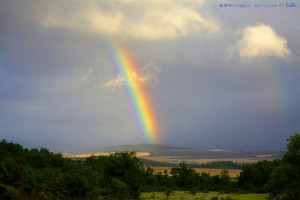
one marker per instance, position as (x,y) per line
(182,195)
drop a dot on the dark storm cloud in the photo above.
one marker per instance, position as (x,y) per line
(225,107)
(53,70)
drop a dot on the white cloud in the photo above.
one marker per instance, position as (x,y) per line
(148,75)
(151,20)
(260,41)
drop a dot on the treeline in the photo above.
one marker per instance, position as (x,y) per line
(210,165)
(41,175)
(220,165)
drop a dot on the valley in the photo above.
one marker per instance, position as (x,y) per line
(155,154)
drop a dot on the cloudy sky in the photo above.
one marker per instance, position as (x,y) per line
(217,77)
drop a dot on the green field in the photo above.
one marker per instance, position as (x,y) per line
(181,195)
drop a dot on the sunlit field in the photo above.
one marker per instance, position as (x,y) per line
(232,172)
(181,195)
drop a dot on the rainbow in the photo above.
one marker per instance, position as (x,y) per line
(138,95)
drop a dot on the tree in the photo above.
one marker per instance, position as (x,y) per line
(225,179)
(292,155)
(184,176)
(126,167)
(119,171)
(205,182)
(285,179)
(254,177)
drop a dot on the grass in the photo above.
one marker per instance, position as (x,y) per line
(181,195)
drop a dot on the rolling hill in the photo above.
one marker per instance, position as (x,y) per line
(144,147)
(172,154)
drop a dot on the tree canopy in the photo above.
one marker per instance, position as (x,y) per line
(42,175)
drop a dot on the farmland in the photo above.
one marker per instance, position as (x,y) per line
(167,155)
(232,172)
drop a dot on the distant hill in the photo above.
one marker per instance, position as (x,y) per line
(158,153)
(159,148)
(167,150)
(143,148)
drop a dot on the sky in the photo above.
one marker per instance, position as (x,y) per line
(216,76)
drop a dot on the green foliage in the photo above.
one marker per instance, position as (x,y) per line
(254,177)
(206,182)
(118,172)
(220,165)
(292,155)
(184,176)
(225,180)
(40,174)
(285,179)
(212,165)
